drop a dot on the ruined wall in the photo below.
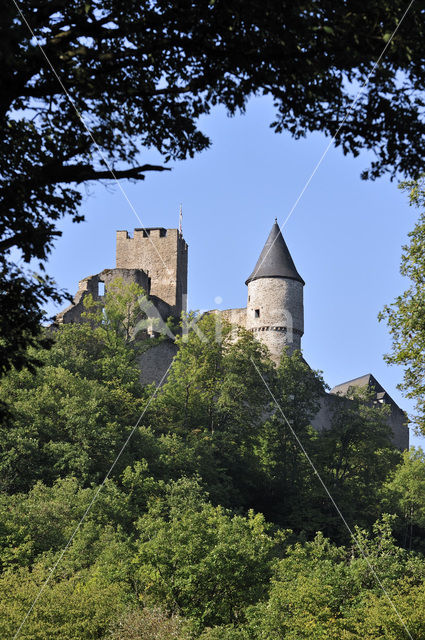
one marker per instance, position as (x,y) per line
(90,285)
(234,316)
(162,254)
(323,418)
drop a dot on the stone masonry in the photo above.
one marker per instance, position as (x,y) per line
(162,255)
(275,315)
(275,310)
(95,285)
(157,259)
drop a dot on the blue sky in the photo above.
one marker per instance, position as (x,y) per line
(345,234)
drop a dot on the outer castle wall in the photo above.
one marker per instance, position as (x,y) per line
(155,361)
(236,317)
(157,260)
(396,420)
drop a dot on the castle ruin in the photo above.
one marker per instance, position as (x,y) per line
(157,259)
(154,258)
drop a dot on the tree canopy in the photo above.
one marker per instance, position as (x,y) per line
(113,79)
(212,525)
(406,315)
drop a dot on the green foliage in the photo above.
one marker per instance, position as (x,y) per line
(406,315)
(212,406)
(22,296)
(207,528)
(322,591)
(212,384)
(116,316)
(308,589)
(354,457)
(200,560)
(62,423)
(150,624)
(404,494)
(83,606)
(37,525)
(71,415)
(286,474)
(227,632)
(140,75)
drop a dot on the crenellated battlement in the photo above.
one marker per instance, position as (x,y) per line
(156,259)
(162,254)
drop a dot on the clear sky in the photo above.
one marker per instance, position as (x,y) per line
(345,235)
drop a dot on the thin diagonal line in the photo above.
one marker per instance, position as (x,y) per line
(102,155)
(349,111)
(77,528)
(338,510)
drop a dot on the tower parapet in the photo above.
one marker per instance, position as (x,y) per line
(162,254)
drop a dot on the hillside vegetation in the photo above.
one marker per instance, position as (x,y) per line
(212,525)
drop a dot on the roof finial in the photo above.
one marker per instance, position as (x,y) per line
(275,220)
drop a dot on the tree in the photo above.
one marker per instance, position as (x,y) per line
(404,494)
(150,624)
(406,315)
(35,526)
(212,383)
(202,561)
(355,457)
(82,606)
(116,316)
(322,591)
(72,415)
(287,478)
(139,75)
(212,408)
(91,587)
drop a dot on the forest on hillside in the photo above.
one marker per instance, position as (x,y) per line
(212,525)
(192,512)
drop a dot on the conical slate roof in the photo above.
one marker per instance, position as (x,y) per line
(275,260)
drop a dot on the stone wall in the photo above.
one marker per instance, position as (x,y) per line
(323,418)
(396,420)
(155,361)
(275,313)
(91,284)
(162,254)
(236,317)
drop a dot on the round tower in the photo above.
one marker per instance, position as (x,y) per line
(275,310)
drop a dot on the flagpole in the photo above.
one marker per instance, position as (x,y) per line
(181,220)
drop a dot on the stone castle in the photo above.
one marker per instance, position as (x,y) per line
(157,259)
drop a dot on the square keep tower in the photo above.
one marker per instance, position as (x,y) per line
(162,255)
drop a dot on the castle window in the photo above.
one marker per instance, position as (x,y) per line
(146,233)
(149,286)
(162,233)
(100,289)
(257,313)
